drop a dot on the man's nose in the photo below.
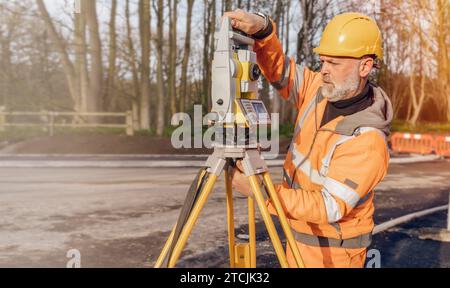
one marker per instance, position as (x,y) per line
(324,69)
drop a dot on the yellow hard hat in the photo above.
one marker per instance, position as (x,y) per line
(351,35)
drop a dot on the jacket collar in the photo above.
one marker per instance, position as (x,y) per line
(379,115)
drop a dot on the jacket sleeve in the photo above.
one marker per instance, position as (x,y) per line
(280,70)
(357,166)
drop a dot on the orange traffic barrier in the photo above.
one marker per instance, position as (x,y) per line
(413,143)
(443,145)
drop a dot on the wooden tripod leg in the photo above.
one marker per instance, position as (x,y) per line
(283,220)
(230,218)
(168,244)
(166,248)
(187,229)
(268,221)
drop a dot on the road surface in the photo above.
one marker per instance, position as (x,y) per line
(121,217)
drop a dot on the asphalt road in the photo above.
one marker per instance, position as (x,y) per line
(402,246)
(121,217)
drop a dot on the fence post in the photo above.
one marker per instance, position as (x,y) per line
(2,119)
(129,123)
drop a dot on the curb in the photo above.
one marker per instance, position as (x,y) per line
(415,159)
(140,161)
(112,164)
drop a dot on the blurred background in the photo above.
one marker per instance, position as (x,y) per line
(134,64)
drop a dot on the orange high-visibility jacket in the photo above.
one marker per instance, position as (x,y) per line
(329,172)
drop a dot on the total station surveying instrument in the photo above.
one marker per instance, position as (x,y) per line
(239,113)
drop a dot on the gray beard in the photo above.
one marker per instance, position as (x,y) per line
(342,91)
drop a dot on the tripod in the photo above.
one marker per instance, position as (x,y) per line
(241,255)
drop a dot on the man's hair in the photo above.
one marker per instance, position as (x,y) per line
(376,60)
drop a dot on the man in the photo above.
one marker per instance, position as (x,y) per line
(338,153)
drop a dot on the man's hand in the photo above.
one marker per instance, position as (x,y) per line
(246,22)
(240,182)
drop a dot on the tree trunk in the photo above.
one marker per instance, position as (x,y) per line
(291,109)
(132,62)
(206,64)
(159,69)
(417,101)
(288,22)
(81,62)
(173,57)
(443,24)
(96,73)
(409,109)
(109,102)
(185,63)
(144,28)
(279,7)
(304,45)
(208,50)
(212,29)
(226,6)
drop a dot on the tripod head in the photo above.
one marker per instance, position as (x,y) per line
(235,97)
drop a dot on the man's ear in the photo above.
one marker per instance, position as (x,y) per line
(366,66)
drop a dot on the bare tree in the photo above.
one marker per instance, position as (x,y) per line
(442,28)
(209,20)
(314,17)
(76,74)
(82,77)
(95,44)
(172,84)
(186,56)
(417,99)
(420,20)
(144,28)
(226,5)
(109,98)
(6,35)
(132,62)
(61,48)
(278,15)
(159,69)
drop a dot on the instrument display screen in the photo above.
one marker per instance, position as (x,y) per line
(259,108)
(255,111)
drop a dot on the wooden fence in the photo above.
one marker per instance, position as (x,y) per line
(49,120)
